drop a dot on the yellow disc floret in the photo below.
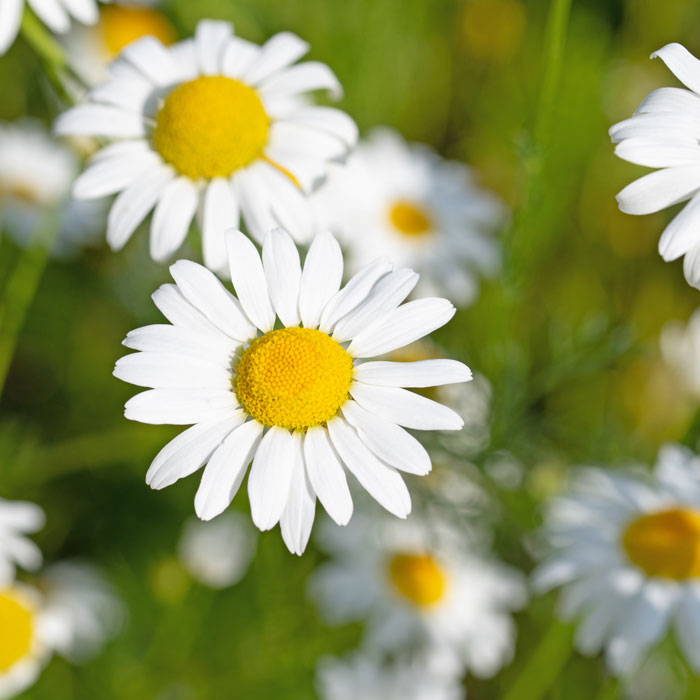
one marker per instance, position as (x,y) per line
(122,24)
(293,378)
(16,628)
(211,126)
(409,219)
(665,544)
(418,578)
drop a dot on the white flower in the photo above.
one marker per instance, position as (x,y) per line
(664,133)
(213,126)
(404,201)
(626,549)
(55,14)
(299,401)
(36,174)
(72,616)
(17,520)
(363,678)
(416,585)
(680,347)
(218,553)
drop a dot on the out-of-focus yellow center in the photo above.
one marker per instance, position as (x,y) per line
(294,378)
(665,544)
(409,218)
(211,126)
(122,24)
(418,578)
(16,628)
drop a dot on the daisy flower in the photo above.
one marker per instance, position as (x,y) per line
(215,127)
(361,676)
(17,520)
(404,201)
(625,549)
(299,400)
(663,133)
(417,588)
(55,14)
(218,553)
(680,348)
(90,49)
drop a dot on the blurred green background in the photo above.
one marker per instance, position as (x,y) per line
(568,335)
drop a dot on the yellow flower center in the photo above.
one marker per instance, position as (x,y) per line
(294,378)
(409,218)
(16,628)
(210,126)
(418,578)
(665,544)
(120,25)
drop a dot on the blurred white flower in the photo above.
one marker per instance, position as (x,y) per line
(402,200)
(55,14)
(218,553)
(213,126)
(417,587)
(17,520)
(362,677)
(680,348)
(665,133)
(626,550)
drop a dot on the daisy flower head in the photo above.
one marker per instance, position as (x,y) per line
(55,14)
(214,127)
(298,398)
(663,134)
(17,520)
(218,553)
(417,588)
(625,549)
(403,201)
(362,676)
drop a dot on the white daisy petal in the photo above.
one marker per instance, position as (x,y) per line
(423,373)
(206,293)
(406,408)
(673,127)
(353,293)
(391,443)
(382,482)
(238,55)
(283,273)
(172,218)
(303,77)
(327,119)
(211,39)
(191,449)
(180,406)
(248,277)
(327,476)
(271,476)
(225,471)
(682,233)
(219,214)
(152,59)
(670,101)
(278,52)
(691,266)
(321,278)
(10,20)
(654,153)
(299,513)
(659,190)
(159,370)
(251,191)
(134,203)
(52,14)
(132,94)
(173,305)
(85,11)
(100,120)
(682,64)
(401,326)
(198,343)
(687,625)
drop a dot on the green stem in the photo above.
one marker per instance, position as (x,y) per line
(41,41)
(544,665)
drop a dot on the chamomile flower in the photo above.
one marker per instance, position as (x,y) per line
(362,676)
(625,549)
(55,14)
(404,201)
(17,520)
(215,127)
(90,49)
(663,133)
(417,587)
(218,553)
(299,400)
